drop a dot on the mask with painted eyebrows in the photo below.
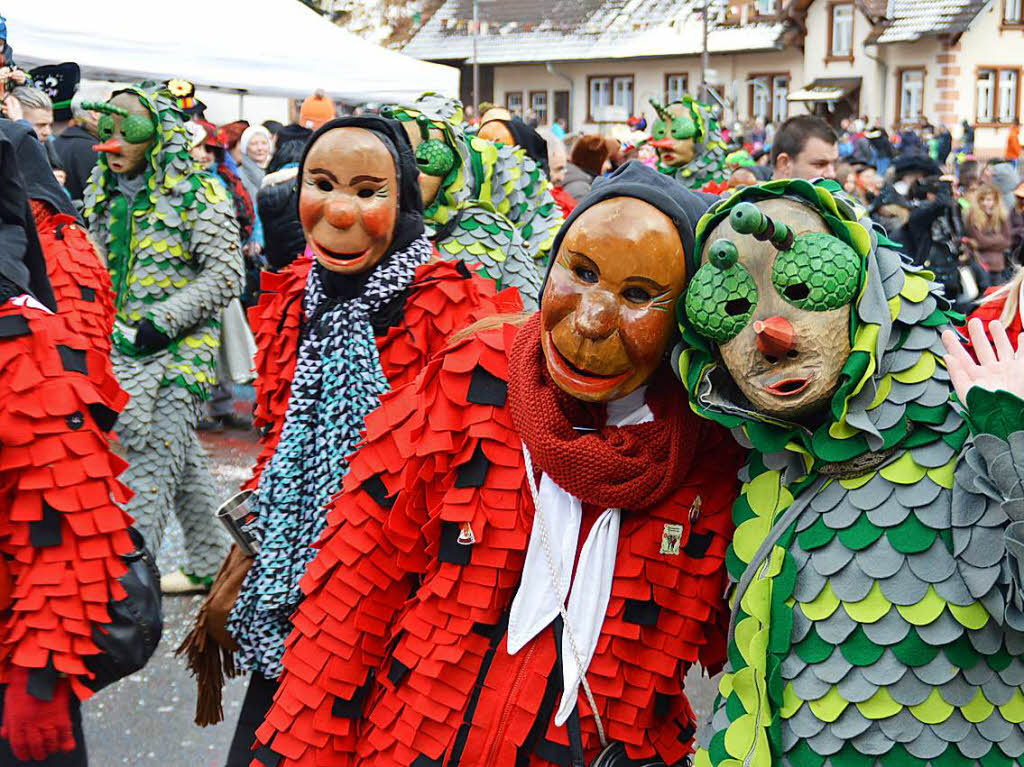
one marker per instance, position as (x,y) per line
(606,311)
(348,200)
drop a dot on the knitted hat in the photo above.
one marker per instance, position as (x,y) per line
(247,136)
(316,110)
(589,153)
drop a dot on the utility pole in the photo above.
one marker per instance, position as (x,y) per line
(704,63)
(476,64)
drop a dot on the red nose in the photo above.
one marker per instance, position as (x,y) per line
(663,143)
(775,336)
(340,214)
(112,145)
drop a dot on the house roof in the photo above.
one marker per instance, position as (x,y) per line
(909,20)
(522,31)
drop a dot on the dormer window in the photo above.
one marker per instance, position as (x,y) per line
(840,39)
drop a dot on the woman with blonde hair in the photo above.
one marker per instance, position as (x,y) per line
(987,234)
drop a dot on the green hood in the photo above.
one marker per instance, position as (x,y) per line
(894,389)
(709,147)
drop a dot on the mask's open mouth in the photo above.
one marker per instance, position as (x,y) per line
(580,379)
(788,387)
(342,259)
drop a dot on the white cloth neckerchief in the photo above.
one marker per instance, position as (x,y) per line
(536,604)
(29,302)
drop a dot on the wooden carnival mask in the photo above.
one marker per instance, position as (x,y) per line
(348,199)
(775,293)
(674,134)
(606,312)
(127,132)
(434,157)
(494,126)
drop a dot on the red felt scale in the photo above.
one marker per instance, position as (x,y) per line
(81,283)
(56,461)
(424,653)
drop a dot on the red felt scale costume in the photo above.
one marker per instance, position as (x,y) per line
(80,280)
(399,653)
(444,298)
(62,529)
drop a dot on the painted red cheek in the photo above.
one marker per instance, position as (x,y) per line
(311,210)
(378,220)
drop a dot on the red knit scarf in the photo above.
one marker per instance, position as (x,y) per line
(627,467)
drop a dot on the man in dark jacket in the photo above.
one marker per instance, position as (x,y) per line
(278,199)
(74,145)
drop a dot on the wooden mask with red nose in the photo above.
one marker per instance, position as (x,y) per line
(348,199)
(606,311)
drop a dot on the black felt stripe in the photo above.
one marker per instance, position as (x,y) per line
(397,672)
(485,388)
(268,756)
(425,761)
(41,681)
(642,613)
(662,704)
(46,532)
(452,551)
(375,488)
(104,416)
(473,473)
(88,294)
(14,325)
(352,708)
(698,544)
(73,360)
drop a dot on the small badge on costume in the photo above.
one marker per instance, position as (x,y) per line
(466,537)
(671,537)
(695,508)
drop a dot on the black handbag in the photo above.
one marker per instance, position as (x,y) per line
(136,621)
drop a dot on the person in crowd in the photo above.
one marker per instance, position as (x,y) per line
(75,143)
(558,161)
(277,202)
(547,609)
(881,146)
(867,184)
(558,128)
(335,332)
(968,177)
(1017,227)
(254,155)
(967,137)
(742,176)
(77,275)
(587,160)
(944,143)
(1012,153)
(878,511)
(1005,178)
(64,531)
(273,128)
(173,274)
(987,235)
(316,110)
(36,109)
(805,147)
(501,127)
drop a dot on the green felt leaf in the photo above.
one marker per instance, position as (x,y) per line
(914,651)
(860,534)
(813,649)
(961,653)
(910,536)
(802,754)
(815,536)
(859,650)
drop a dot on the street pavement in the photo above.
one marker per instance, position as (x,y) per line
(147,719)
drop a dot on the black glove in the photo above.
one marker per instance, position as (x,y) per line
(149,339)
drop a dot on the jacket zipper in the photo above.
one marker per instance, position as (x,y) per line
(509,703)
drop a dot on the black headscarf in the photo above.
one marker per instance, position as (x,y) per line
(21,256)
(409,223)
(634,179)
(532,142)
(40,183)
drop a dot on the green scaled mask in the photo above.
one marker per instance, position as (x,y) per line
(722,295)
(135,129)
(435,158)
(818,274)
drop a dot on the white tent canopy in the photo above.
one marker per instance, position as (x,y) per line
(261,47)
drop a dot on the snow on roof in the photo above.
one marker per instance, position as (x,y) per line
(911,20)
(514,31)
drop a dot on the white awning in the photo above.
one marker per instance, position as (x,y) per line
(826,89)
(262,47)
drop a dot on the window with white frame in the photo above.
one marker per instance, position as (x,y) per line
(998,95)
(841,28)
(761,98)
(600,94)
(1012,12)
(911,95)
(1007,93)
(675,87)
(622,93)
(539,106)
(514,102)
(780,98)
(765,7)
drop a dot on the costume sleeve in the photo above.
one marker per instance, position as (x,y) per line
(354,589)
(63,531)
(215,249)
(988,505)
(276,323)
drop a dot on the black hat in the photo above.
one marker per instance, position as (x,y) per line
(59,82)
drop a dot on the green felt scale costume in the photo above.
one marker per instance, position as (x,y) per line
(494,207)
(884,625)
(706,171)
(174,259)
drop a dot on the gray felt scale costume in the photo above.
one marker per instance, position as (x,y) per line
(172,247)
(878,550)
